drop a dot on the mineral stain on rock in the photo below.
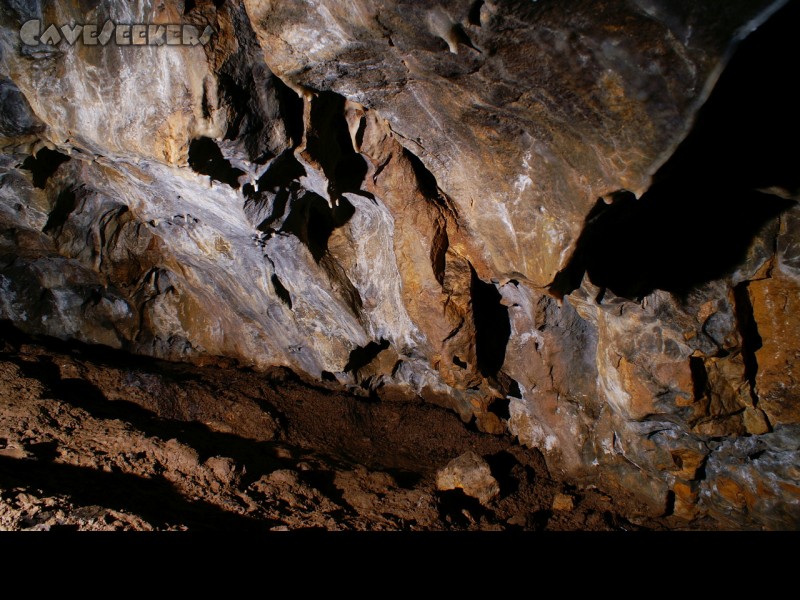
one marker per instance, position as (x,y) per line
(340,245)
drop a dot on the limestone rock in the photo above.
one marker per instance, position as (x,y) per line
(470,473)
(480,204)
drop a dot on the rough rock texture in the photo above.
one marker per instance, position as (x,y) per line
(486,205)
(470,473)
(92,439)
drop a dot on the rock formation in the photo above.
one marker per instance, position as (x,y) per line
(562,220)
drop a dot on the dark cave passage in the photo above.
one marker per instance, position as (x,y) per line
(712,198)
(492,326)
(362,356)
(43,165)
(328,141)
(312,220)
(206,158)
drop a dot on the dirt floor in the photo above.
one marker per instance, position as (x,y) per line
(94,439)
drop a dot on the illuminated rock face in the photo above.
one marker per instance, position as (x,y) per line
(436,201)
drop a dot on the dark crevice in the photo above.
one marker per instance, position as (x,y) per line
(256,99)
(350,173)
(427,184)
(703,210)
(281,291)
(459,363)
(474,17)
(66,203)
(328,142)
(492,326)
(342,286)
(751,340)
(237,98)
(439,252)
(458,509)
(205,102)
(499,407)
(670,503)
(292,109)
(206,158)
(188,6)
(514,391)
(362,356)
(312,220)
(276,185)
(284,170)
(461,37)
(43,165)
(360,131)
(504,467)
(699,376)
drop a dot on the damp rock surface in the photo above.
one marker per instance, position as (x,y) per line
(555,220)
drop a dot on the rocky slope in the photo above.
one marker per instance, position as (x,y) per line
(495,207)
(95,440)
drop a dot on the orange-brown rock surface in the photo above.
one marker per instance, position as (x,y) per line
(569,222)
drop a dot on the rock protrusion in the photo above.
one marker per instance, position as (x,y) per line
(470,473)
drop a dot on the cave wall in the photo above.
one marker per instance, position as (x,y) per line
(496,206)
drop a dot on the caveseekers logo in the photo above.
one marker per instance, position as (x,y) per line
(139,34)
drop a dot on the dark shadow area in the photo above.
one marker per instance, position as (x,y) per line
(292,109)
(427,183)
(258,456)
(276,185)
(461,37)
(508,387)
(699,376)
(311,417)
(312,221)
(238,98)
(281,291)
(404,478)
(281,173)
(751,339)
(155,500)
(206,158)
(65,204)
(328,141)
(499,407)
(439,246)
(324,481)
(503,466)
(43,165)
(672,239)
(455,506)
(256,99)
(492,326)
(711,199)
(538,520)
(475,13)
(362,356)
(350,173)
